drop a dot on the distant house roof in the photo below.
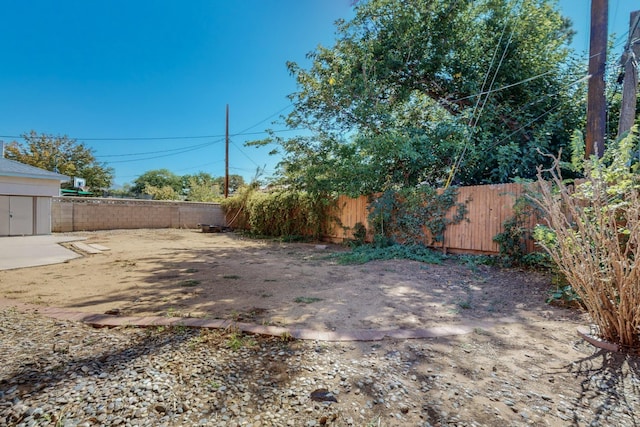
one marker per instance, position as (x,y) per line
(17,169)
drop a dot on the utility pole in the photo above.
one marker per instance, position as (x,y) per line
(226,156)
(629,62)
(596,101)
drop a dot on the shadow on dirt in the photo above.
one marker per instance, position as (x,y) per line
(297,285)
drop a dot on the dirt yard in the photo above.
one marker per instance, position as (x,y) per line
(222,275)
(517,338)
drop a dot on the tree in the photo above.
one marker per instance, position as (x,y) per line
(161,193)
(158,178)
(63,155)
(201,187)
(413,91)
(235,182)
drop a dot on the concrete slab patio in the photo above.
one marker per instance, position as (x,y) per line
(32,251)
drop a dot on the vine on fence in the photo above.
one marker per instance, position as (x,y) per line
(404,215)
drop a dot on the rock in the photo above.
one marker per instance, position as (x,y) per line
(323,395)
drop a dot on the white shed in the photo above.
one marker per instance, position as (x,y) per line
(25,198)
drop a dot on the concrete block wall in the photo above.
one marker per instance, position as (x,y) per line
(90,214)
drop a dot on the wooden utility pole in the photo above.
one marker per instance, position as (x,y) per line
(596,100)
(226,156)
(629,62)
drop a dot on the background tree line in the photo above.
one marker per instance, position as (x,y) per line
(74,159)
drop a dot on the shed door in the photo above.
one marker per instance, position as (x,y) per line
(16,216)
(4,215)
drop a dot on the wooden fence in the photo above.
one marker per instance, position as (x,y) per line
(488,206)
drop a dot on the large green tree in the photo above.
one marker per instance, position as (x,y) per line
(157,178)
(201,187)
(412,90)
(235,182)
(63,155)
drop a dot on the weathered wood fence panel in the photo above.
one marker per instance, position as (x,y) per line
(488,207)
(348,211)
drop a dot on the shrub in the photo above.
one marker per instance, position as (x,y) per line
(279,213)
(593,235)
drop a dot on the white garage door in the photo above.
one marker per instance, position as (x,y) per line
(16,216)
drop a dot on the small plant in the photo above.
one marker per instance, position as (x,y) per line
(286,337)
(236,340)
(359,234)
(189,283)
(231,276)
(191,270)
(473,261)
(564,296)
(307,300)
(517,231)
(464,304)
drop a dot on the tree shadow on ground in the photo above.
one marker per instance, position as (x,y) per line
(614,375)
(295,285)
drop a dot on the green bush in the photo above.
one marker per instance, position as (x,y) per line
(291,214)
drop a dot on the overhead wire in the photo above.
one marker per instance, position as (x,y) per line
(243,153)
(474,119)
(510,85)
(167,138)
(159,151)
(160,156)
(586,77)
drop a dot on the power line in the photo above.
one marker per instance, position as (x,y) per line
(167,138)
(208,144)
(209,164)
(245,154)
(163,155)
(242,132)
(487,92)
(479,102)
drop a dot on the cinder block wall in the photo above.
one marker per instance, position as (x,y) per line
(89,214)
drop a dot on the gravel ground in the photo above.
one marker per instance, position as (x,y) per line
(67,374)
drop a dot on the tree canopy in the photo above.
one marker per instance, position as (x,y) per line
(163,184)
(157,178)
(63,155)
(414,90)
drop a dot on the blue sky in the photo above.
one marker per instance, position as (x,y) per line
(107,72)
